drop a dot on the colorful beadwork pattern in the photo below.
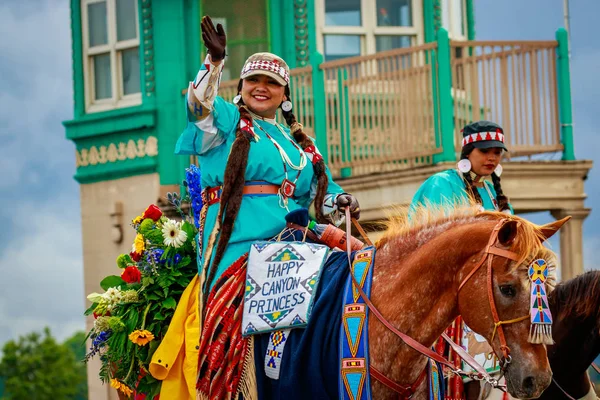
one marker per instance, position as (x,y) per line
(541,317)
(274,354)
(354,381)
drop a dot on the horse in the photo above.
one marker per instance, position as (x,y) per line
(575,306)
(576,331)
(426,273)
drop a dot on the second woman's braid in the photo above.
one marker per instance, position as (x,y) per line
(500,196)
(319,167)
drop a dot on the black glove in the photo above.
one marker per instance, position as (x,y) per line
(347,200)
(214,39)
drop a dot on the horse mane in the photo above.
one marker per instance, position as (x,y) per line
(408,229)
(579,297)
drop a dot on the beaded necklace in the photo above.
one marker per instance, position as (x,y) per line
(288,187)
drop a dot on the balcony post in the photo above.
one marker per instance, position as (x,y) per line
(446,113)
(564,94)
(318,89)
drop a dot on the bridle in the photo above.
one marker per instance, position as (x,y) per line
(490,251)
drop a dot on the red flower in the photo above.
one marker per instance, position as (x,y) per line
(106,314)
(152,212)
(131,274)
(135,256)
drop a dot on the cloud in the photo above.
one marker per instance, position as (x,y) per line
(40,239)
(42,271)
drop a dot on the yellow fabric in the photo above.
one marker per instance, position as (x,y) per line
(175,362)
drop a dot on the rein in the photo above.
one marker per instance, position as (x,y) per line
(408,391)
(594,366)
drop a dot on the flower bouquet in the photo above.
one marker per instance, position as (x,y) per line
(134,312)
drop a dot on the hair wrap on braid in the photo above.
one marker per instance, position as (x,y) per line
(233,186)
(469,186)
(500,196)
(318,167)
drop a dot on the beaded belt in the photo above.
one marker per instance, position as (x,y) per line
(253,188)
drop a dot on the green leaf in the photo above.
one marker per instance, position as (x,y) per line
(159,317)
(152,296)
(169,303)
(112,281)
(147,281)
(91,309)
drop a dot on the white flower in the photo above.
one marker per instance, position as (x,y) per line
(112,296)
(172,234)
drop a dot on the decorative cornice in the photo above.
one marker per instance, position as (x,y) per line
(114,153)
(301,32)
(148,43)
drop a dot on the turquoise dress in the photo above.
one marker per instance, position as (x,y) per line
(447,189)
(260,216)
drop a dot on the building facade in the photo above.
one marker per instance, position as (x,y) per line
(383,85)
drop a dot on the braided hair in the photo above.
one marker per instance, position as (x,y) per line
(234,180)
(470,186)
(319,166)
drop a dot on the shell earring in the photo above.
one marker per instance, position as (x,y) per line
(464,165)
(237,99)
(286,106)
(498,170)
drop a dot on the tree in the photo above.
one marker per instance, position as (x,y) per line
(37,367)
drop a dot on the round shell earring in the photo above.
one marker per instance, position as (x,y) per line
(464,165)
(286,106)
(237,99)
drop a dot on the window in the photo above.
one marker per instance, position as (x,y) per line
(111,54)
(454,18)
(349,28)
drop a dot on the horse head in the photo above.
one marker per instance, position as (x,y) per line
(499,273)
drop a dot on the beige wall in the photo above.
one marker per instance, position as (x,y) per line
(98,203)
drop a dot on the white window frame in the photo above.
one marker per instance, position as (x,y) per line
(368,30)
(114,48)
(454,28)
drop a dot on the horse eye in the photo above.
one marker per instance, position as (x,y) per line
(508,290)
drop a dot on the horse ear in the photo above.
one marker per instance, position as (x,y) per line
(507,233)
(550,229)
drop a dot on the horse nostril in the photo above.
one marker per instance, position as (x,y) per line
(529,384)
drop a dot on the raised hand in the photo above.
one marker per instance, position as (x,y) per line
(214,39)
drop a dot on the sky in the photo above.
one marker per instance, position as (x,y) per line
(40,240)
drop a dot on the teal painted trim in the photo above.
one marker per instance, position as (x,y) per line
(470,19)
(77,59)
(115,155)
(312,27)
(318,87)
(147,52)
(301,29)
(344,110)
(446,111)
(564,94)
(428,21)
(289,33)
(108,122)
(171,65)
(193,37)
(268,19)
(275,31)
(437,16)
(146,166)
